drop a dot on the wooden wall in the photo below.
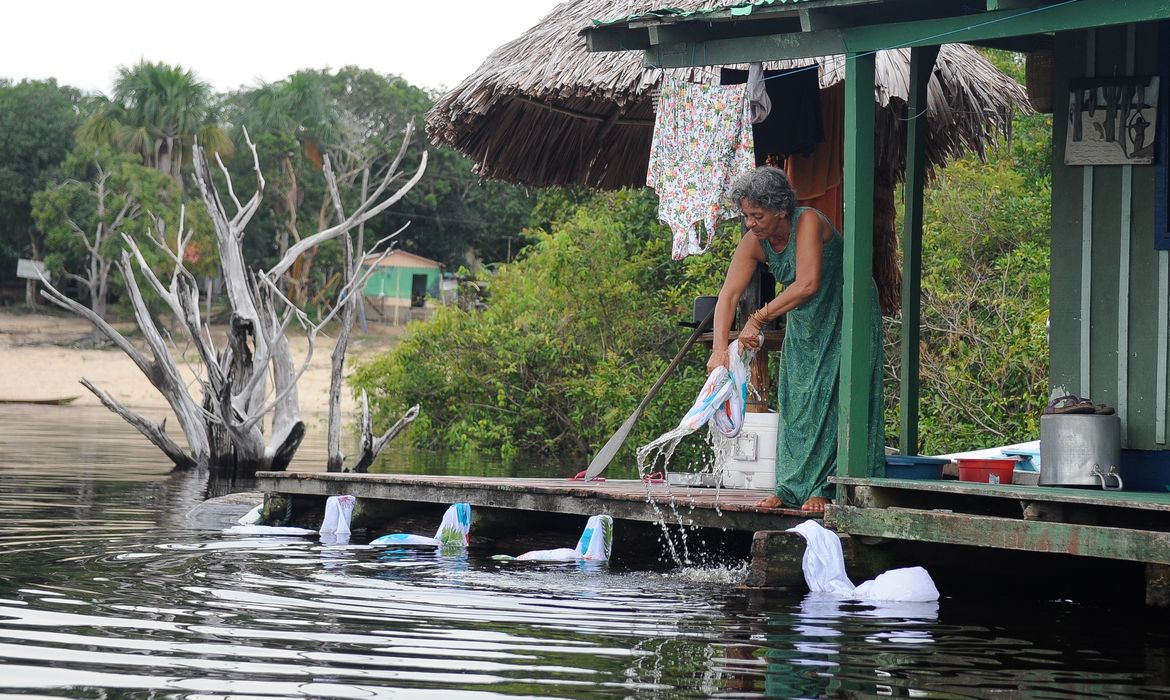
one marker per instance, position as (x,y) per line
(1109,297)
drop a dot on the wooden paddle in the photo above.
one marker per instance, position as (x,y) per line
(606,453)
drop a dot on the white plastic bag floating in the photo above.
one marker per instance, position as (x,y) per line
(454,531)
(824,572)
(595,544)
(338,511)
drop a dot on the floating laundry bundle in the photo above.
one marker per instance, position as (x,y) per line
(824,572)
(595,544)
(454,531)
(338,511)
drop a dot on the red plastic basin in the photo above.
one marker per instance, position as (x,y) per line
(987,471)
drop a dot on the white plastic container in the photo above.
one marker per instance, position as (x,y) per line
(753,459)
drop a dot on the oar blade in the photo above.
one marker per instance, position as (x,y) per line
(606,454)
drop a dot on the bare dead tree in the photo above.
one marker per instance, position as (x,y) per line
(249,385)
(97,269)
(349,305)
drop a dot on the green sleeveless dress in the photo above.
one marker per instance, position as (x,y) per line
(808,381)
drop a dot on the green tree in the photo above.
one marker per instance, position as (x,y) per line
(105,194)
(37,121)
(158,111)
(986,249)
(293,122)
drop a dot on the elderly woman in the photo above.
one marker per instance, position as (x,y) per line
(803,251)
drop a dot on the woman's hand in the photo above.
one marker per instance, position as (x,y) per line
(718,359)
(749,337)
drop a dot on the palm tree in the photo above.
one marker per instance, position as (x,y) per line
(158,111)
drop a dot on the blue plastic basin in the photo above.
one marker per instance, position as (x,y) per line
(905,467)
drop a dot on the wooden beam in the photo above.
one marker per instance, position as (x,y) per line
(857,320)
(818,20)
(1020,44)
(716,52)
(921,69)
(993,5)
(1002,533)
(892,491)
(626,500)
(1001,24)
(616,39)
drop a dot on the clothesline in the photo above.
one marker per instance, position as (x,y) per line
(788,72)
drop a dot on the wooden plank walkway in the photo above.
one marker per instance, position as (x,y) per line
(733,509)
(1077,521)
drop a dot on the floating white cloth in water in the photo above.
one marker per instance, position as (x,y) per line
(454,531)
(824,572)
(253,516)
(338,511)
(595,544)
(267,530)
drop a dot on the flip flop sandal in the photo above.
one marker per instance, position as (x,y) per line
(1070,404)
(1103,410)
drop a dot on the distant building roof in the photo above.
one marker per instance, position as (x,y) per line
(401,258)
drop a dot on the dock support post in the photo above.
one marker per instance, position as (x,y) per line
(921,68)
(856,324)
(776,557)
(1158,585)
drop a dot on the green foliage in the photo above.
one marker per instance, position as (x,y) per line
(985,298)
(37,121)
(102,195)
(158,111)
(572,336)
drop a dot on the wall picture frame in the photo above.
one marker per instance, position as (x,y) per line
(1112,121)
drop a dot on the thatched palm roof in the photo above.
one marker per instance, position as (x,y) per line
(541,110)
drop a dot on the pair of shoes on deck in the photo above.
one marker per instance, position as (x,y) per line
(1070,403)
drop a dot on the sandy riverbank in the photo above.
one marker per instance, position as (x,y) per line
(44,355)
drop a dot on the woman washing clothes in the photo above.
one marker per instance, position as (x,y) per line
(803,251)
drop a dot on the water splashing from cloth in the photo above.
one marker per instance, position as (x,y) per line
(720,405)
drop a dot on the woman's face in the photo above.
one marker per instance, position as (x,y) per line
(764,223)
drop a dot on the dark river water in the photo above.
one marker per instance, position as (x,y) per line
(108,589)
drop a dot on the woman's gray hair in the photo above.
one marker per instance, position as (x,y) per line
(766,187)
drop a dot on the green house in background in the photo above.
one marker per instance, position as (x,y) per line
(402,282)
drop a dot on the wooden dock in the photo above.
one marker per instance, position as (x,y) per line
(1044,519)
(732,509)
(940,524)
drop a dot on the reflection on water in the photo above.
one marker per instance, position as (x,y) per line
(108,589)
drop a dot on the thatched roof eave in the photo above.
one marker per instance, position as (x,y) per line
(541,110)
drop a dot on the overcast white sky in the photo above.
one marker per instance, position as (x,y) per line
(431,43)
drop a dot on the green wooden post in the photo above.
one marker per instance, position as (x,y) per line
(852,450)
(921,67)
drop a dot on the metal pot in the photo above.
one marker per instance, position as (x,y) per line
(1080,449)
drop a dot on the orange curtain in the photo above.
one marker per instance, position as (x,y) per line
(818,178)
